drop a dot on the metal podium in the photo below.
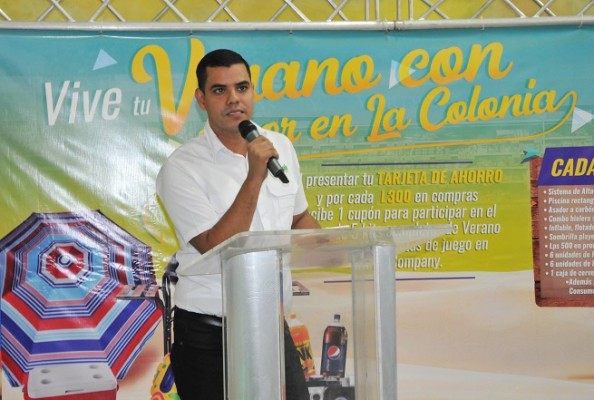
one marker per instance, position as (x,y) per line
(251,265)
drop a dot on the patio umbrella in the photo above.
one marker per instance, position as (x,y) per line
(62,274)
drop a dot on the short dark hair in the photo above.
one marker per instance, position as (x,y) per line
(218,58)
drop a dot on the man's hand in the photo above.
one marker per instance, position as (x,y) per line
(259,151)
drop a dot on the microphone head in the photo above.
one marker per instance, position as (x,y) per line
(246,127)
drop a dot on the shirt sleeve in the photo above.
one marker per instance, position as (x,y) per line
(185,201)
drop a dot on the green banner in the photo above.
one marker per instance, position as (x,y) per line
(399,128)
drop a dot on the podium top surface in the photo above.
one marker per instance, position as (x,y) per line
(323,248)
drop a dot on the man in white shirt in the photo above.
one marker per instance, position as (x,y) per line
(214,186)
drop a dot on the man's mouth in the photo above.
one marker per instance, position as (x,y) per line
(234,113)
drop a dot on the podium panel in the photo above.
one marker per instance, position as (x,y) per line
(250,282)
(253,266)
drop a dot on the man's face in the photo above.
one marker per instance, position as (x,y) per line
(228,98)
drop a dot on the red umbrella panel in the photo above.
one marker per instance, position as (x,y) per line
(62,274)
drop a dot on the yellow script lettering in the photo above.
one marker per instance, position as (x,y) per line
(448,65)
(392,121)
(324,127)
(173,119)
(356,75)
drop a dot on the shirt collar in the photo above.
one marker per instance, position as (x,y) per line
(215,144)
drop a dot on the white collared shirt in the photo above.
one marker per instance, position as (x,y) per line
(199,182)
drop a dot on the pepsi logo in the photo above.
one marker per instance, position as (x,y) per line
(333,352)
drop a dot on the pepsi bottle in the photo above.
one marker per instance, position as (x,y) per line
(334,349)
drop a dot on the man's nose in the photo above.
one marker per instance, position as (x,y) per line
(233,96)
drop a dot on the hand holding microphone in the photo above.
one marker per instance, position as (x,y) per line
(249,132)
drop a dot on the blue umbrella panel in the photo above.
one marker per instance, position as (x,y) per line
(62,274)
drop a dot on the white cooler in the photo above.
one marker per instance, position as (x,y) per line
(89,381)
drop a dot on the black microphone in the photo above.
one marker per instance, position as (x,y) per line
(249,132)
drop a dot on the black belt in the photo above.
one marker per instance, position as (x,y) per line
(206,319)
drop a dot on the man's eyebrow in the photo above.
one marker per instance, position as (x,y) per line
(217,86)
(220,85)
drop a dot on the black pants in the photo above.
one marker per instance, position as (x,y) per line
(197,359)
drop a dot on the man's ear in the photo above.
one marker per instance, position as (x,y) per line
(199,95)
